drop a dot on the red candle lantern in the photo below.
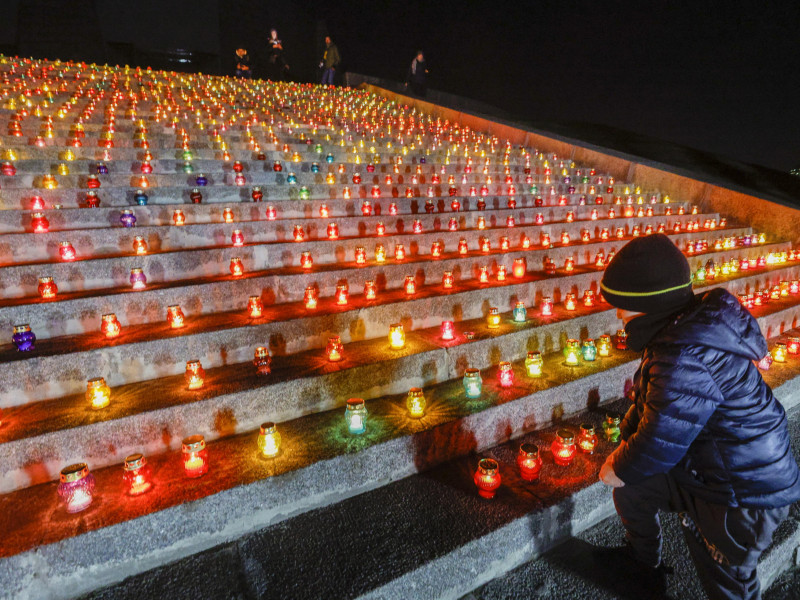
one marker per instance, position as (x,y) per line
(139,245)
(255,307)
(447,280)
(237,268)
(137,475)
(452,224)
(195,456)
(410,285)
(448,331)
(194,374)
(526,242)
(569,264)
(175,316)
(40,223)
(178,218)
(455,206)
(505,374)
(487,478)
(399,252)
(37,203)
(237,238)
(538,219)
(417,226)
(310,298)
(93,182)
(47,288)
(380,228)
(110,326)
(547,307)
(563,447)
(361,255)
(196,196)
(529,462)
(486,245)
(334,349)
(262,361)
(588,298)
(622,340)
(366,208)
(306,261)
(544,238)
(587,439)
(518,268)
(462,246)
(436,249)
(271,213)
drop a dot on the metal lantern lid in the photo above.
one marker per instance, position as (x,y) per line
(134,462)
(74,472)
(193,443)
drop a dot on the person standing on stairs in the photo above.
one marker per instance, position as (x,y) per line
(417,75)
(705,437)
(330,61)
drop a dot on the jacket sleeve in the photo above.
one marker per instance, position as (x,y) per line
(681,396)
(630,422)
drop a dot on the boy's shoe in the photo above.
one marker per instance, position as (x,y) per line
(622,562)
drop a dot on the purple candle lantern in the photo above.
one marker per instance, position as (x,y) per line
(127,218)
(23,338)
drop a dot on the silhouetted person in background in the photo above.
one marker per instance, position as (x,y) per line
(330,61)
(278,69)
(243,64)
(417,75)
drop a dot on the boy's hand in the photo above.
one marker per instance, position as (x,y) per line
(608,476)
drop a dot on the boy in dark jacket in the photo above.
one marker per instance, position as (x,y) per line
(705,436)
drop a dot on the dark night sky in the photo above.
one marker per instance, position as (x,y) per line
(717,76)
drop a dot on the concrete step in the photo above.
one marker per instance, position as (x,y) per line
(426,536)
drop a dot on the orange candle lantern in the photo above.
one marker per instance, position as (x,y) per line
(335,349)
(399,252)
(194,375)
(98,394)
(380,254)
(310,298)
(195,456)
(587,439)
(410,285)
(569,301)
(255,307)
(462,246)
(493,318)
(178,218)
(481,223)
(227,215)
(370,291)
(175,316)
(139,245)
(563,447)
(397,336)
(529,462)
(298,233)
(110,326)
(341,294)
(487,478)
(237,268)
(447,280)
(361,255)
(483,275)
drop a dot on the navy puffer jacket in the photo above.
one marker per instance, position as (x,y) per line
(703,412)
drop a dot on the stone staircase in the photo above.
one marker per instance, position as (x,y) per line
(492,234)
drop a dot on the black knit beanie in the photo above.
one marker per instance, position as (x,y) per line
(648,275)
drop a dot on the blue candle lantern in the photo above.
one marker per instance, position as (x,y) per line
(329,158)
(355,415)
(315,167)
(141,198)
(201,180)
(23,338)
(473,385)
(102,169)
(291,178)
(520,313)
(589,350)
(304,193)
(318,148)
(127,218)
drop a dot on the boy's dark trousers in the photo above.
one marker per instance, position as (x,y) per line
(725,543)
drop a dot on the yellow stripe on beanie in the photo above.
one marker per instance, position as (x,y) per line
(641,294)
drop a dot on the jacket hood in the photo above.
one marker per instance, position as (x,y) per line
(716,319)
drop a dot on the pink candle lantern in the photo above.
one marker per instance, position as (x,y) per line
(76,487)
(448,331)
(505,375)
(547,307)
(138,279)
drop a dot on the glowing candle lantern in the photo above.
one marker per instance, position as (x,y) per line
(520,313)
(563,447)
(76,487)
(481,223)
(355,416)
(227,215)
(306,261)
(529,462)
(526,242)
(544,238)
(483,275)
(175,316)
(589,350)
(269,440)
(622,340)
(178,218)
(779,352)
(571,351)
(98,394)
(310,298)
(137,475)
(538,219)
(49,182)
(298,233)
(570,302)
(486,245)
(505,374)
(793,345)
(47,288)
(40,223)
(342,294)
(138,279)
(436,249)
(487,478)
(334,349)
(501,273)
(195,456)
(23,338)
(399,252)
(473,385)
(493,318)
(236,268)
(547,307)
(262,361)
(604,345)
(139,245)
(277,166)
(397,336)
(380,254)
(611,430)
(110,326)
(415,403)
(194,374)
(255,308)
(333,231)
(534,364)
(140,197)
(237,238)
(587,439)
(196,196)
